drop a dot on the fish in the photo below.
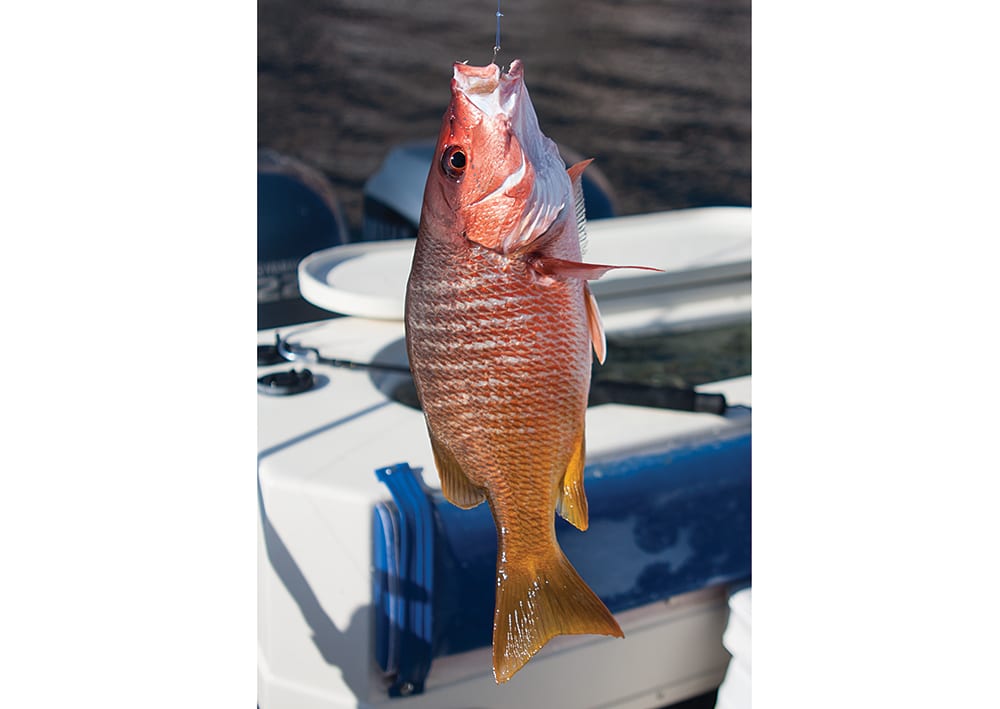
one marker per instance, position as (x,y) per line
(500,323)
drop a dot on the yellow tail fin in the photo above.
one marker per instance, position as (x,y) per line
(536,603)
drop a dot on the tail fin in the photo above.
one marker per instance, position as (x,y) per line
(536,604)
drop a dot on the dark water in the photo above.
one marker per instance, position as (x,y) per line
(678,359)
(657,91)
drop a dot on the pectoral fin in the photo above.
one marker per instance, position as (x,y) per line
(561,268)
(455,484)
(572,504)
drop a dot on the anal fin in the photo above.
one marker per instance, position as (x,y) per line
(572,504)
(455,484)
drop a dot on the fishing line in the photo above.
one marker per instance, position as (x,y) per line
(496,45)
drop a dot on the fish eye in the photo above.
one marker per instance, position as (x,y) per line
(454,161)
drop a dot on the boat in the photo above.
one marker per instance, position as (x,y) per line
(374,591)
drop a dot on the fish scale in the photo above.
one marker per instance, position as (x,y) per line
(531,336)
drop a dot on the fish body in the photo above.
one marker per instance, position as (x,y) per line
(500,324)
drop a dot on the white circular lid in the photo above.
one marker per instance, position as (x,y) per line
(366,280)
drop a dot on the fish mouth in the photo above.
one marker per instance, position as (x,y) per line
(502,100)
(493,92)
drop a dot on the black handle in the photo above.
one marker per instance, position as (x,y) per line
(659,397)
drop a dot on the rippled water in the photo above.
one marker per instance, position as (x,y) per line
(657,91)
(665,359)
(680,359)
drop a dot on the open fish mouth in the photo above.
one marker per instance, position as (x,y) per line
(493,92)
(502,100)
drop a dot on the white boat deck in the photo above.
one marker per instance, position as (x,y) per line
(318,451)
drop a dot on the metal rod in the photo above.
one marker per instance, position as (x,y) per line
(293,352)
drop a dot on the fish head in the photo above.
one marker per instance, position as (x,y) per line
(494,176)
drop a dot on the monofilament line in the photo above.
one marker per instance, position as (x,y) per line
(496,46)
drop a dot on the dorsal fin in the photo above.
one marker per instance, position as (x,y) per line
(576,177)
(600,343)
(572,504)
